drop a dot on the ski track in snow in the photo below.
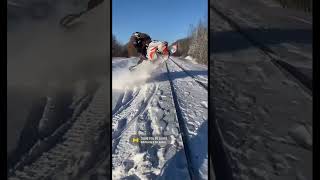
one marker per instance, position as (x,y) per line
(149,109)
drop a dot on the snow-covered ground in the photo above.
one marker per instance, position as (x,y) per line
(59,98)
(264,114)
(191,59)
(159,100)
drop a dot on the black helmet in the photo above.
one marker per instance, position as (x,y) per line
(136,34)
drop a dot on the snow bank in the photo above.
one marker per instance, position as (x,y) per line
(191,59)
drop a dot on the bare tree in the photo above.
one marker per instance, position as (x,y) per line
(199,43)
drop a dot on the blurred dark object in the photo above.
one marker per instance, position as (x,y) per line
(305,5)
(94,3)
(68,19)
(32,8)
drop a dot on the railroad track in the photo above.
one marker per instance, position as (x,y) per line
(286,68)
(193,77)
(221,160)
(130,117)
(181,121)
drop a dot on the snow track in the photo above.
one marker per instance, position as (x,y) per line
(76,151)
(160,108)
(127,114)
(149,113)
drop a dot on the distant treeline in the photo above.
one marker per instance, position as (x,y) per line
(305,5)
(196,44)
(118,49)
(122,50)
(199,43)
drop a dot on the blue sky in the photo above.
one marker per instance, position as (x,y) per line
(166,20)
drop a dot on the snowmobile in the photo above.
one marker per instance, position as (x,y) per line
(155,55)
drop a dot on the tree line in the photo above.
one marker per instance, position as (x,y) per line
(196,44)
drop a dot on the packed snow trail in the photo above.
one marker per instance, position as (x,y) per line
(150,109)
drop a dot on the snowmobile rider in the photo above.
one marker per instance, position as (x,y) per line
(146,47)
